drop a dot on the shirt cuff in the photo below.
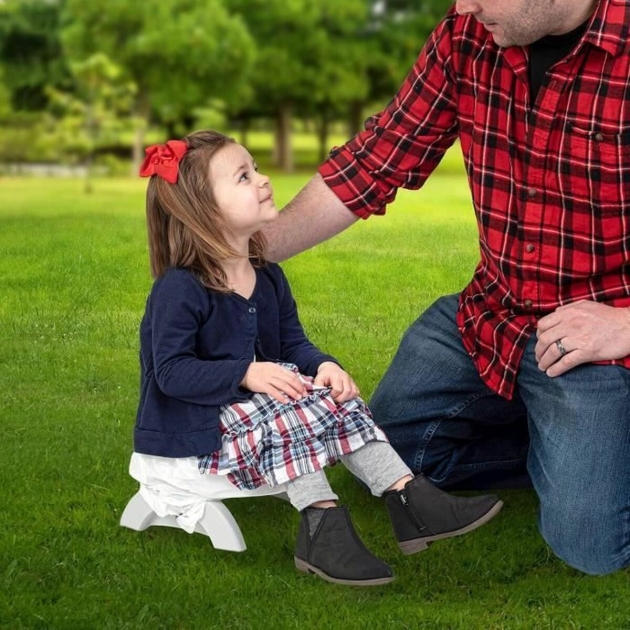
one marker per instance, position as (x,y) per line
(355,188)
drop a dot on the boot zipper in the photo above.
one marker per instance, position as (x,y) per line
(421,526)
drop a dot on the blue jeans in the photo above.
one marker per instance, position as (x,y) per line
(567,436)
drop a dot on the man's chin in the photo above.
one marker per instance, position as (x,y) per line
(502,41)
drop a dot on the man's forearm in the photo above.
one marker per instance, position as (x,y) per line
(313,216)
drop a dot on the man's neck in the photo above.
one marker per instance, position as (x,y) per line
(573,13)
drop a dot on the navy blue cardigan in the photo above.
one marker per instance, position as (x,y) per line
(195,347)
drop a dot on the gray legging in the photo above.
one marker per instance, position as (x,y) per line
(376,464)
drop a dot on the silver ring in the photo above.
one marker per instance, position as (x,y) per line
(561,349)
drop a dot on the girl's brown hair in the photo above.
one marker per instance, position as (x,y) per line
(184,223)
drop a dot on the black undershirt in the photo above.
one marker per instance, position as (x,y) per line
(546,52)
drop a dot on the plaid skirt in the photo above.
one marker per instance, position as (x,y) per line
(268,442)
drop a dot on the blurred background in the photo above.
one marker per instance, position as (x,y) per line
(85,85)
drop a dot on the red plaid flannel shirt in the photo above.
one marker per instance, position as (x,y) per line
(550,179)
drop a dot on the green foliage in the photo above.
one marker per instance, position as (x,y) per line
(23,139)
(194,63)
(179,53)
(30,51)
(5,98)
(307,54)
(95,114)
(398,30)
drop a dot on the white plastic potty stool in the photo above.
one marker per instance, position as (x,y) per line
(174,494)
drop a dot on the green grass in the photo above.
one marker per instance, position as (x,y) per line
(74,279)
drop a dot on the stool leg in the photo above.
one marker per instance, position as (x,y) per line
(138,515)
(217,522)
(220,526)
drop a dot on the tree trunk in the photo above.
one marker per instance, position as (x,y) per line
(322,135)
(92,133)
(245,122)
(283,145)
(171,130)
(355,118)
(143,111)
(89,165)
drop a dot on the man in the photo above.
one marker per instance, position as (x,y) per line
(525,374)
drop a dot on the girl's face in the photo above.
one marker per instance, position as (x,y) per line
(244,196)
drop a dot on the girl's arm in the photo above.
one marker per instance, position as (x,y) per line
(176,309)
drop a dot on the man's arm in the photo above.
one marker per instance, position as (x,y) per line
(313,216)
(399,148)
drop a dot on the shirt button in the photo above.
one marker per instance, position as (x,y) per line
(252,310)
(531,192)
(599,137)
(529,248)
(528,304)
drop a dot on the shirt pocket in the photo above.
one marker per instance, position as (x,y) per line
(598,166)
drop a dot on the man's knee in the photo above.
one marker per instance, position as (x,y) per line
(587,540)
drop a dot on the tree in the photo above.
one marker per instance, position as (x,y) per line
(5,98)
(397,29)
(179,53)
(30,51)
(93,114)
(307,61)
(324,60)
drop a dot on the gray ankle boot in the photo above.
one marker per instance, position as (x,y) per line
(335,552)
(422,513)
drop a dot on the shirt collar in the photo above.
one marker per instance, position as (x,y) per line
(609,26)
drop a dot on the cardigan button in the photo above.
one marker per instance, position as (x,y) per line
(252,310)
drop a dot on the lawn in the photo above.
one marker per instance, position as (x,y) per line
(74,279)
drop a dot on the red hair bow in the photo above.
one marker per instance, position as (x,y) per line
(163,160)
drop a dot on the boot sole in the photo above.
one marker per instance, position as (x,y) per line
(302,565)
(415,545)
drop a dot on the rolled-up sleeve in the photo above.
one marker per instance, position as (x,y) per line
(403,144)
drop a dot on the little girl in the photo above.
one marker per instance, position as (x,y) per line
(229,376)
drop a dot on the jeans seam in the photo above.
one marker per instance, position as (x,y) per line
(433,427)
(426,438)
(502,462)
(471,399)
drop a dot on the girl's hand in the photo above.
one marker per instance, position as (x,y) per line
(342,386)
(272,379)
